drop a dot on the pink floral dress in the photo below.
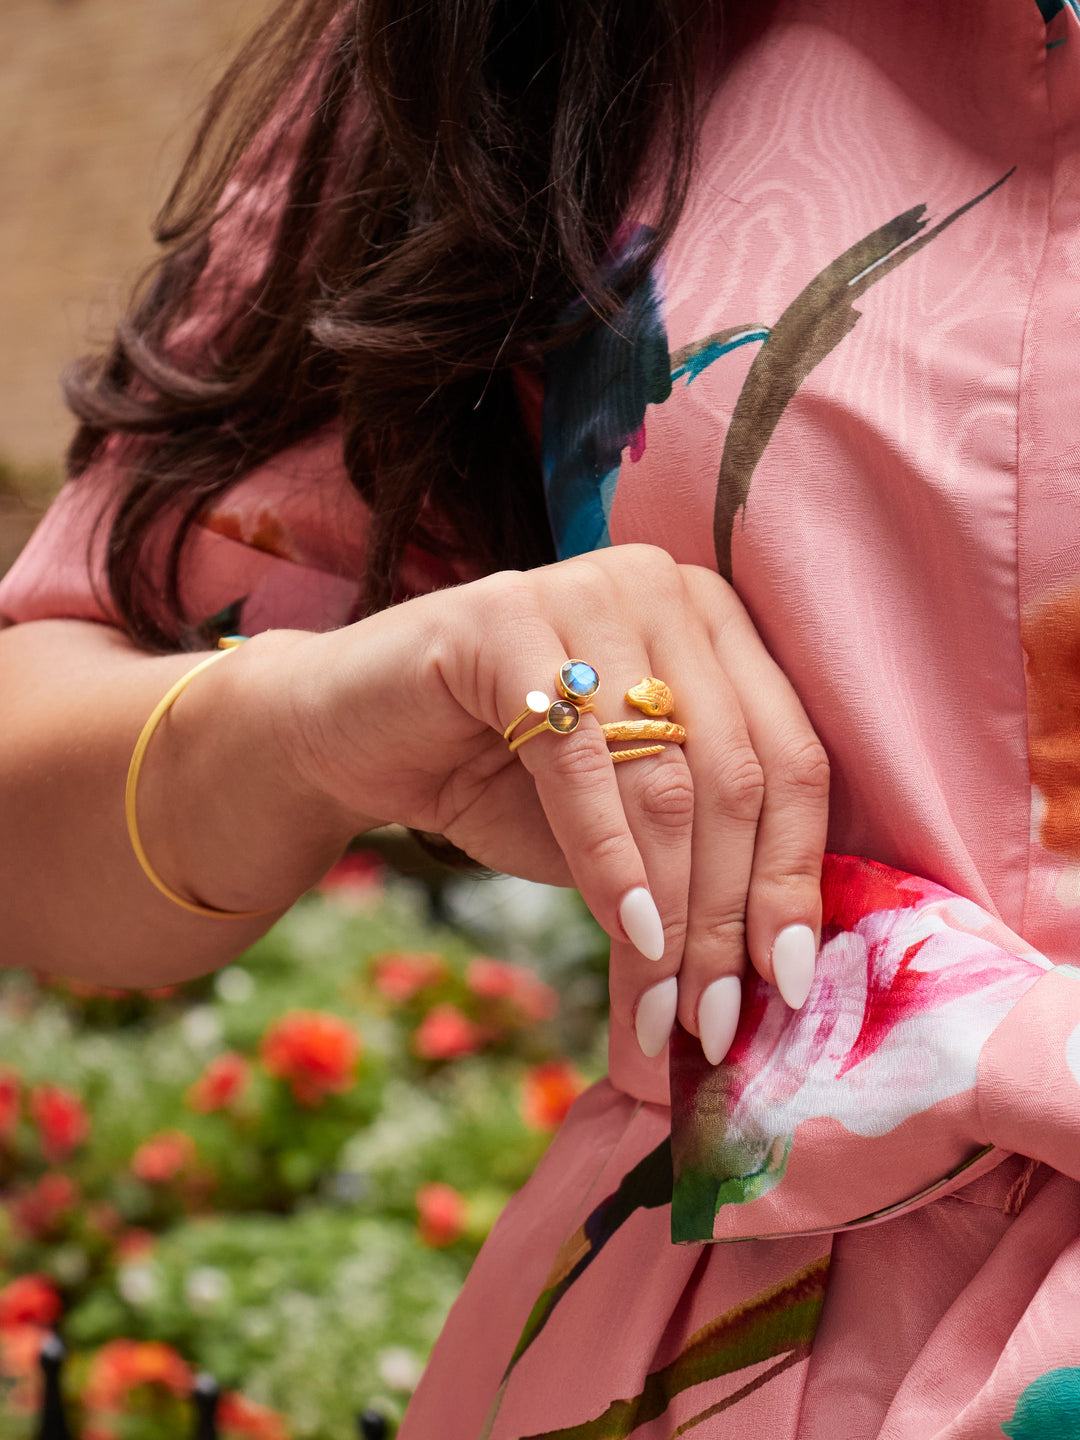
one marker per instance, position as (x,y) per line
(850,387)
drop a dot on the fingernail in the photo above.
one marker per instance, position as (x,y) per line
(640,919)
(794,954)
(656,1015)
(718,1016)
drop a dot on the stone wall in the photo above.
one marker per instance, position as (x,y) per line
(97,98)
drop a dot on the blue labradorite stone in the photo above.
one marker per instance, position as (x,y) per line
(579,679)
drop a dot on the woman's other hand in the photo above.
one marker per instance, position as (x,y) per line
(401,718)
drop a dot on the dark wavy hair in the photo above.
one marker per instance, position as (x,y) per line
(448,179)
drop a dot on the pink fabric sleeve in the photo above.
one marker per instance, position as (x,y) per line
(1029,1074)
(286,545)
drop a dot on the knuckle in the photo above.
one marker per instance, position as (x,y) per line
(665,797)
(675,933)
(576,761)
(605,847)
(796,884)
(510,594)
(804,767)
(721,933)
(645,566)
(741,784)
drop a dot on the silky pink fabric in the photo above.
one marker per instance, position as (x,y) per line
(909,547)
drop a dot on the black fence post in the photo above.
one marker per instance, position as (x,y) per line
(205,1395)
(52,1421)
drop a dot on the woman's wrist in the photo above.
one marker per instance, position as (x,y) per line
(228,815)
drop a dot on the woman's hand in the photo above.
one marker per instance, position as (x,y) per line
(400,718)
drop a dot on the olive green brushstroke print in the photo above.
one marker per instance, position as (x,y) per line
(780,1321)
(809,329)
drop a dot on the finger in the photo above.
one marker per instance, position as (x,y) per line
(728,787)
(728,790)
(783,906)
(578,790)
(658,798)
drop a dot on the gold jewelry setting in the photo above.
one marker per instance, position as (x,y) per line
(577,682)
(655,700)
(651,696)
(562,718)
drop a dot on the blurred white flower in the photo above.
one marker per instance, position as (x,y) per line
(202,1027)
(139,1283)
(234,985)
(399,1368)
(207,1287)
(69,1264)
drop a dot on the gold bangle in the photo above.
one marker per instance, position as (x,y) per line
(230,643)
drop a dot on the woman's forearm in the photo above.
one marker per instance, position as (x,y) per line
(220,816)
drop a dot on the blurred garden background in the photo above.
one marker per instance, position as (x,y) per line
(280,1173)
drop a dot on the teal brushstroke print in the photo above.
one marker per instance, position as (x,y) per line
(1049,1407)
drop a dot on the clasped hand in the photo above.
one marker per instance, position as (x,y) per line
(401,718)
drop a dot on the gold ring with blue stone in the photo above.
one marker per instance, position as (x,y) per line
(577,682)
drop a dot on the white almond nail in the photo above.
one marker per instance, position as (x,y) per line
(656,1016)
(794,955)
(640,919)
(718,1016)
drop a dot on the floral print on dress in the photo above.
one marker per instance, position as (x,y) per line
(911,981)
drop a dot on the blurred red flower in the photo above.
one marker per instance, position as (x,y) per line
(38,1210)
(442,1212)
(29,1300)
(514,985)
(121,1365)
(222,1082)
(163,1157)
(315,1052)
(132,1244)
(61,1119)
(104,1219)
(239,1418)
(356,879)
(10,1093)
(401,976)
(445,1033)
(547,1093)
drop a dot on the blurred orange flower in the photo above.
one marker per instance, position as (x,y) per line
(29,1300)
(222,1082)
(547,1093)
(445,1033)
(61,1119)
(20,1346)
(442,1213)
(315,1052)
(515,985)
(239,1418)
(400,976)
(38,1210)
(163,1157)
(121,1365)
(10,1093)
